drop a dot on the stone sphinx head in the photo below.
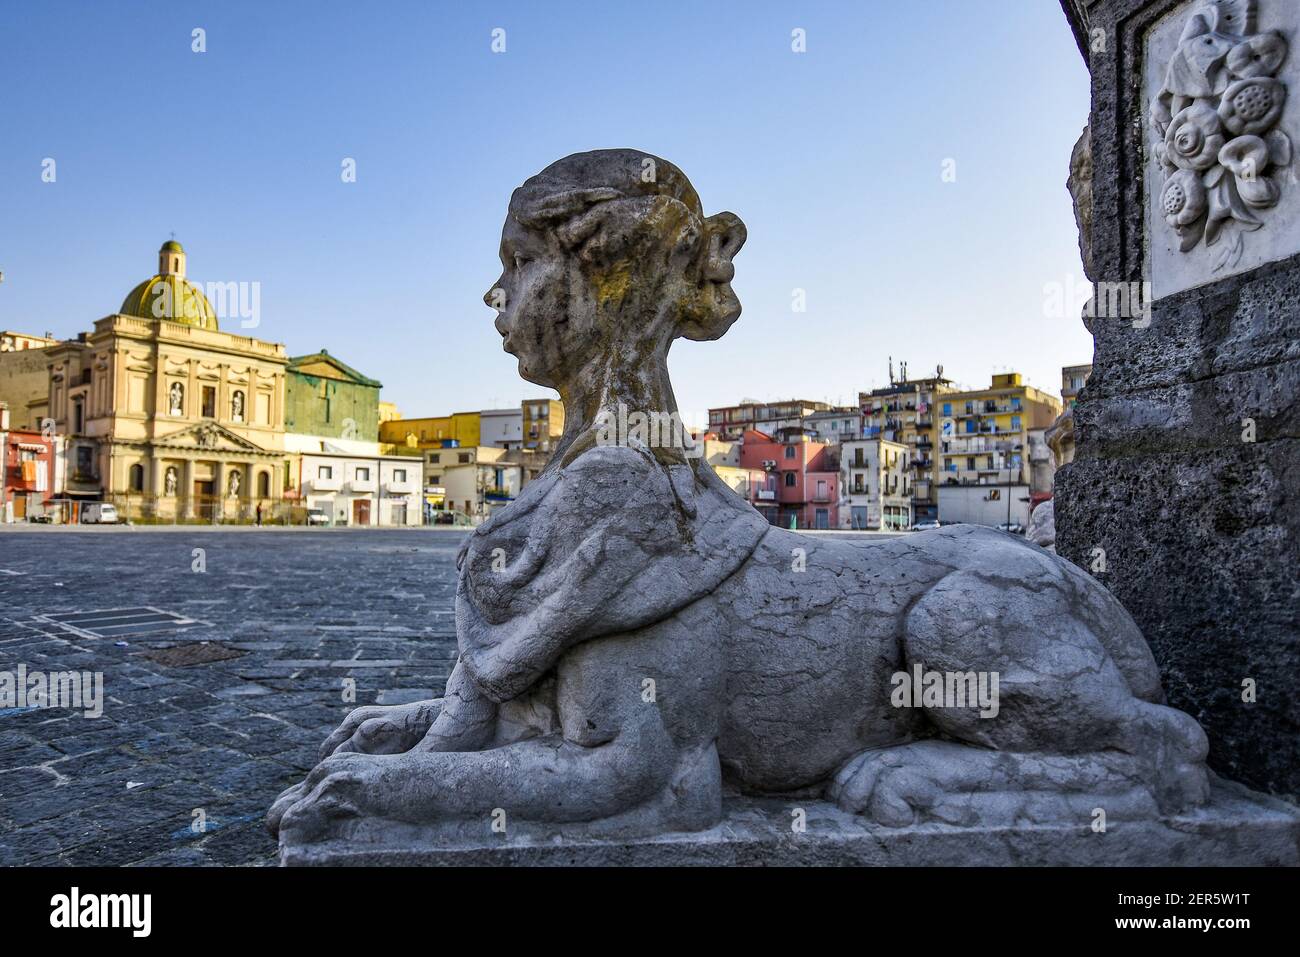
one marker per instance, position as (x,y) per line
(607,257)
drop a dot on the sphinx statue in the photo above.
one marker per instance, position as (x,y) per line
(635,641)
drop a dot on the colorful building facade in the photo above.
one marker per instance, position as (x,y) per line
(877,485)
(799,485)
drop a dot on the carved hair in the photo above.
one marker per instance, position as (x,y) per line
(628,210)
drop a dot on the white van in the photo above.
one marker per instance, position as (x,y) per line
(99,513)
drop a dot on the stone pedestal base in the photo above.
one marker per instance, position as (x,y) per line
(1238,827)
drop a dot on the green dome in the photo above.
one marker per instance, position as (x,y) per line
(170,297)
(172,246)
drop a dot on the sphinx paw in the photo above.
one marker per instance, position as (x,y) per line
(337,793)
(880,785)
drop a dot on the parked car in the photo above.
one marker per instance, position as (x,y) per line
(1015,528)
(317,516)
(925,526)
(99,513)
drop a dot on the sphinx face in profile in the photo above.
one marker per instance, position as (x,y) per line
(603,265)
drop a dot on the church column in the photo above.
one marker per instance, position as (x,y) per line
(219,487)
(186,494)
(249,491)
(156,483)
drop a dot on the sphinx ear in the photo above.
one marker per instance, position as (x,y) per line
(726,235)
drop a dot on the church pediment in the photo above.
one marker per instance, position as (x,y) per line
(208,436)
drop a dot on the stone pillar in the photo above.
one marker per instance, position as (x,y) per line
(1185,488)
(186,493)
(156,489)
(248,492)
(219,490)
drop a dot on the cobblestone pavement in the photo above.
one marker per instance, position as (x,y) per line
(287,614)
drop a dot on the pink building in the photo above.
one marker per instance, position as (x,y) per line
(28,473)
(796,481)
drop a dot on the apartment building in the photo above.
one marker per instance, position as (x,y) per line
(731,422)
(877,485)
(1073,378)
(796,480)
(543,424)
(361,490)
(838,424)
(904,412)
(477,481)
(984,440)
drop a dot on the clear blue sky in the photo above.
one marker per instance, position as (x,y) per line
(832,157)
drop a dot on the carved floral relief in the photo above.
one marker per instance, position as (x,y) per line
(1215,125)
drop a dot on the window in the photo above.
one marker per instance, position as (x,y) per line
(78,418)
(399,475)
(789,451)
(263,484)
(1015,404)
(970,406)
(435,479)
(363,473)
(209,402)
(947,408)
(789,480)
(463,458)
(325,472)
(970,463)
(137,478)
(1015,423)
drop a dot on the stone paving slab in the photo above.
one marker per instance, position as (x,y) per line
(304,610)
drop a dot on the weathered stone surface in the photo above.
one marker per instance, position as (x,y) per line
(1184,486)
(1236,828)
(633,637)
(1042,526)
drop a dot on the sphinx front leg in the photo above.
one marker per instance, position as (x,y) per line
(547,779)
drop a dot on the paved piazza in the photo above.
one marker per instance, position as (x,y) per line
(288,614)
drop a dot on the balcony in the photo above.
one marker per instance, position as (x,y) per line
(765,495)
(395,487)
(319,484)
(363,485)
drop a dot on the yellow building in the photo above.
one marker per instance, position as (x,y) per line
(905,412)
(165,415)
(429,432)
(543,423)
(984,434)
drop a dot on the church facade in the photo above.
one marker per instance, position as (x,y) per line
(164,414)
